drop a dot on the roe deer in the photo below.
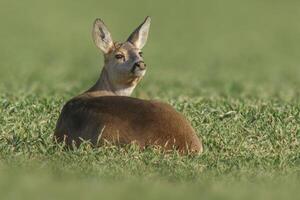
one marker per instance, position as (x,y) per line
(105,113)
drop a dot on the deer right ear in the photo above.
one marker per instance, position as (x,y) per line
(101,36)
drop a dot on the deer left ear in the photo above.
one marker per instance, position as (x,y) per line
(140,35)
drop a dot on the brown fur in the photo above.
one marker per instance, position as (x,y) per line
(104,113)
(123,120)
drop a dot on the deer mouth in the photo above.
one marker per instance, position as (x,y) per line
(137,71)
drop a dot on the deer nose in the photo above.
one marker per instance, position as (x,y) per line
(140,65)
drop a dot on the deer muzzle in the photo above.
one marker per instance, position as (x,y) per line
(138,67)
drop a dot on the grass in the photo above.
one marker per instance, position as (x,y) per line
(231,67)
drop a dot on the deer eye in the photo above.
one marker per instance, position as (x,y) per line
(141,54)
(119,56)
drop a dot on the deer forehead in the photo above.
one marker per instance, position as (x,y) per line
(126,48)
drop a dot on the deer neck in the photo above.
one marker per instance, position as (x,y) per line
(105,87)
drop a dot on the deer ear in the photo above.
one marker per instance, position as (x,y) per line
(101,36)
(139,36)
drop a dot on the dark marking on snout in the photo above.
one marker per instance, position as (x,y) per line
(141,65)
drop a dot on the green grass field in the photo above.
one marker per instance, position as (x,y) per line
(232,67)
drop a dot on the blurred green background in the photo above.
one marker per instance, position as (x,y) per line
(194,46)
(232,67)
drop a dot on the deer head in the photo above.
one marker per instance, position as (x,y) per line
(124,65)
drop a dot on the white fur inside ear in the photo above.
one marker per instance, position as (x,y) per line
(143,36)
(140,35)
(101,36)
